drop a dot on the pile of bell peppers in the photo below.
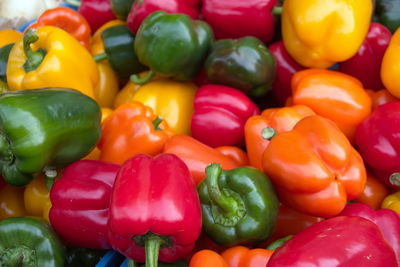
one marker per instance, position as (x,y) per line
(202,133)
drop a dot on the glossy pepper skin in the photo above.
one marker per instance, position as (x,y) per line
(322,175)
(390,66)
(154,210)
(220,113)
(236,19)
(36,198)
(207,257)
(9,36)
(318,35)
(377,141)
(387,13)
(374,193)
(240,256)
(392,202)
(179,57)
(60,61)
(141,9)
(96,12)
(245,64)
(369,56)
(80,203)
(121,8)
(380,97)
(239,206)
(45,129)
(332,243)
(7,40)
(26,241)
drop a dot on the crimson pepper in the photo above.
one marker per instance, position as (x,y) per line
(80,203)
(155,210)
(96,12)
(142,8)
(286,67)
(220,113)
(340,241)
(366,64)
(238,18)
(378,142)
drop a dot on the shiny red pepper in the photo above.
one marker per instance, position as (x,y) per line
(238,18)
(80,203)
(96,12)
(366,64)
(220,113)
(155,210)
(142,8)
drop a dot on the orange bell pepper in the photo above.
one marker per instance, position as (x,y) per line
(314,167)
(374,193)
(333,95)
(235,153)
(280,119)
(197,156)
(132,129)
(240,256)
(207,258)
(380,97)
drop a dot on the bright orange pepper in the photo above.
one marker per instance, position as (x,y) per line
(314,167)
(235,153)
(280,119)
(333,95)
(240,256)
(207,258)
(374,193)
(380,97)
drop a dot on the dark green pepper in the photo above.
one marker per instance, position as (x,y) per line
(83,257)
(172,45)
(118,45)
(45,129)
(239,206)
(121,8)
(245,64)
(29,242)
(387,12)
(4,53)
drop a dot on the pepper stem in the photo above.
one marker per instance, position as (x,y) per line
(277,10)
(278,243)
(395,179)
(75,3)
(131,263)
(138,80)
(49,177)
(268,133)
(152,246)
(100,57)
(18,256)
(156,123)
(33,58)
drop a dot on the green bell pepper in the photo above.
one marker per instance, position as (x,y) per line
(172,45)
(387,12)
(83,257)
(29,242)
(245,64)
(121,8)
(45,129)
(239,206)
(4,53)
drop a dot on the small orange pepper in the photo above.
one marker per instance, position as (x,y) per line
(240,256)
(374,193)
(207,258)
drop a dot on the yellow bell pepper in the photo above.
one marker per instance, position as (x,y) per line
(37,198)
(108,84)
(9,36)
(390,68)
(392,202)
(169,99)
(49,57)
(319,33)
(12,202)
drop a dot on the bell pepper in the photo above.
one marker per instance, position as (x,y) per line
(9,36)
(380,97)
(132,129)
(12,202)
(196,155)
(387,13)
(286,67)
(121,8)
(154,210)
(374,192)
(80,203)
(333,95)
(235,153)
(83,257)
(392,202)
(390,66)
(322,175)
(59,61)
(36,198)
(220,113)
(7,40)
(28,241)
(240,256)
(369,56)
(67,19)
(179,55)
(257,130)
(96,12)
(339,241)
(45,129)
(207,257)
(169,99)
(239,206)
(245,64)
(318,35)
(141,9)
(377,141)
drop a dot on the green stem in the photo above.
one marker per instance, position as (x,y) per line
(152,247)
(395,179)
(277,10)
(278,243)
(138,80)
(49,177)
(268,133)
(156,123)
(33,58)
(100,57)
(75,3)
(131,263)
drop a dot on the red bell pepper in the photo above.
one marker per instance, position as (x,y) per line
(340,241)
(155,210)
(96,12)
(378,142)
(80,203)
(387,221)
(238,18)
(286,67)
(220,113)
(366,64)
(142,8)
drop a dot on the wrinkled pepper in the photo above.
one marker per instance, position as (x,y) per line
(390,67)
(96,12)
(154,210)
(239,206)
(374,192)
(245,64)
(59,61)
(317,34)
(220,113)
(322,175)
(80,203)
(45,129)
(392,202)
(387,13)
